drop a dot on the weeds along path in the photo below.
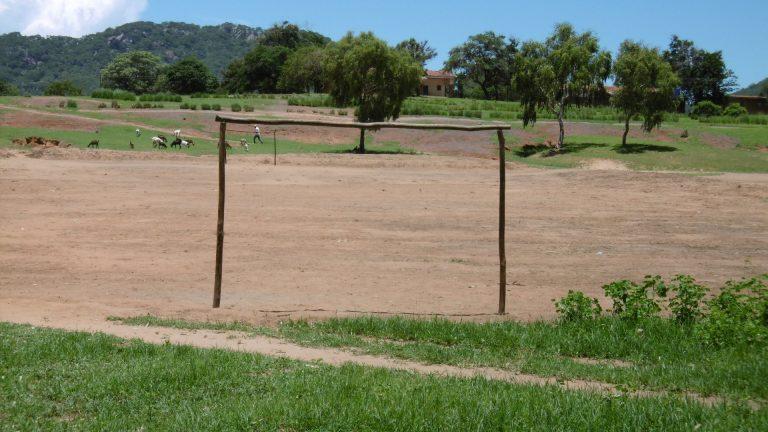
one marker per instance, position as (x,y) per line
(110,122)
(273,347)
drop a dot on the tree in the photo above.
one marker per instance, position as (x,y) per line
(290,36)
(187,76)
(303,71)
(8,89)
(420,51)
(134,71)
(703,75)
(365,72)
(562,71)
(487,60)
(258,71)
(646,86)
(63,88)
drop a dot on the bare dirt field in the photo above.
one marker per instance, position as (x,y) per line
(326,234)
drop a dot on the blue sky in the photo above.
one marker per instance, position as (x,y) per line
(739,27)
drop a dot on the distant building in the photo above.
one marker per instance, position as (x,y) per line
(437,83)
(753,104)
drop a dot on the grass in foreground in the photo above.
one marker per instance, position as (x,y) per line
(661,354)
(55,380)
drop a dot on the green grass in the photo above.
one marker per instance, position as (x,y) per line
(54,380)
(646,154)
(663,355)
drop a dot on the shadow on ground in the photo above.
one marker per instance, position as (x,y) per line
(546,150)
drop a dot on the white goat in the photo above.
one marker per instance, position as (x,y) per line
(244,143)
(177,133)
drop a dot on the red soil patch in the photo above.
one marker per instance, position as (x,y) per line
(16,118)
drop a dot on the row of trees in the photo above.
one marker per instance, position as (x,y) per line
(485,65)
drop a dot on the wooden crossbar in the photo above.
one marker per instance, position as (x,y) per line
(365,126)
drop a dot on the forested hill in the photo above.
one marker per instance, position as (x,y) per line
(754,89)
(32,62)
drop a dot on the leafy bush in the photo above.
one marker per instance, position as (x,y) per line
(734,110)
(216,107)
(184,106)
(115,105)
(160,97)
(113,94)
(102,105)
(193,107)
(248,108)
(686,305)
(205,107)
(706,109)
(631,301)
(62,88)
(342,112)
(738,315)
(236,107)
(8,89)
(576,306)
(71,103)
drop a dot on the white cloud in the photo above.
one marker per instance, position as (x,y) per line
(66,17)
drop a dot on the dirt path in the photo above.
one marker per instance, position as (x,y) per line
(268,346)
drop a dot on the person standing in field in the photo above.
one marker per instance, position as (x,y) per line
(257,134)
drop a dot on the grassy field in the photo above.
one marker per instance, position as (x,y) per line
(54,380)
(660,356)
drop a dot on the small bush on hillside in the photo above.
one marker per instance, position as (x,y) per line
(686,305)
(193,107)
(576,306)
(738,315)
(216,107)
(102,105)
(71,103)
(632,301)
(734,110)
(248,108)
(184,106)
(113,94)
(62,88)
(205,107)
(706,109)
(115,105)
(236,107)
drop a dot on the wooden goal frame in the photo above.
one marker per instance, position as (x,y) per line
(223,121)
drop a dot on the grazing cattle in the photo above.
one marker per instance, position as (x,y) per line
(159,141)
(244,143)
(93,143)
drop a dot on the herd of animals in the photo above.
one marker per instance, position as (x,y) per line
(159,141)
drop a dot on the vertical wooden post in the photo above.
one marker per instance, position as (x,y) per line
(502,225)
(361,146)
(220,222)
(274,143)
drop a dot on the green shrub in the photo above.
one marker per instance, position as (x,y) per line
(62,88)
(631,301)
(160,97)
(205,107)
(236,107)
(248,108)
(113,94)
(184,106)
(102,105)
(686,305)
(193,107)
(137,105)
(115,105)
(216,107)
(734,110)
(706,109)
(576,306)
(342,112)
(71,103)
(738,315)
(147,105)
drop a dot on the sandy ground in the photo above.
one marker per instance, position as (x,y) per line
(321,235)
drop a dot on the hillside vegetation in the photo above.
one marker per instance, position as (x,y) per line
(754,89)
(33,62)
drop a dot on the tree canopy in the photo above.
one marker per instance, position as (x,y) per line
(703,74)
(8,89)
(487,60)
(646,85)
(134,71)
(420,51)
(303,71)
(187,76)
(258,71)
(564,70)
(363,71)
